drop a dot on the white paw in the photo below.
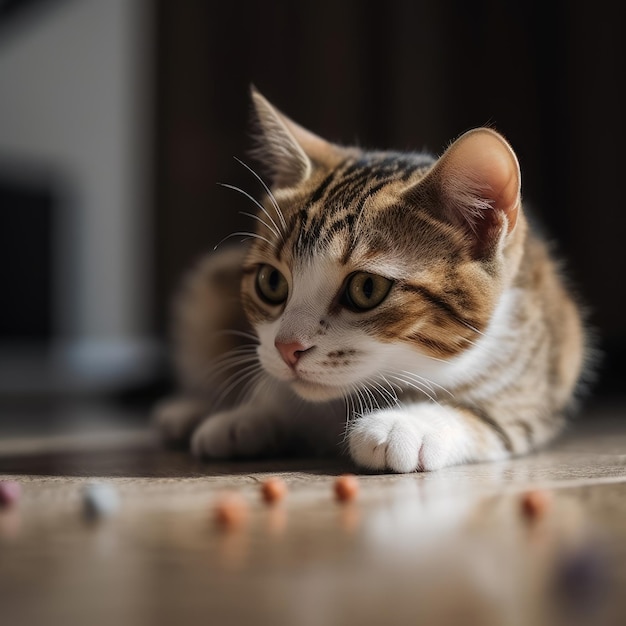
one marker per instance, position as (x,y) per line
(244,431)
(419,437)
(175,418)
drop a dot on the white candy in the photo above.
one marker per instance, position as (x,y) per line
(100,500)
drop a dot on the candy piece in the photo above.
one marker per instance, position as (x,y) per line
(583,577)
(535,503)
(346,487)
(10,492)
(273,490)
(100,500)
(231,511)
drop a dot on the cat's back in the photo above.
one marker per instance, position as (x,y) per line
(550,299)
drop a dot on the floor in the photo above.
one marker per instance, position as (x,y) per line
(447,547)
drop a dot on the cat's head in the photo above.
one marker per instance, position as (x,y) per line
(371,264)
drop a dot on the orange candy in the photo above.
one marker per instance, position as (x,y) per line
(273,490)
(346,487)
(535,503)
(231,511)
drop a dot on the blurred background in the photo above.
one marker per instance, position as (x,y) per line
(118,118)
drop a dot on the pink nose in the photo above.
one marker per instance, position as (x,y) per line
(291,352)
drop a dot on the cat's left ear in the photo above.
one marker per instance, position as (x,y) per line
(288,152)
(477,184)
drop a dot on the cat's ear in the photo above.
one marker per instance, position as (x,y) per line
(288,152)
(477,183)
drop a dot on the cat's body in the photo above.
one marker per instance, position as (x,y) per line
(391,305)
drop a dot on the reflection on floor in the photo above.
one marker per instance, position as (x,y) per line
(447,547)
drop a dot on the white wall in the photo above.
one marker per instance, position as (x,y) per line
(74,87)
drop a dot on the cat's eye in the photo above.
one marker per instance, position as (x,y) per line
(365,291)
(271,285)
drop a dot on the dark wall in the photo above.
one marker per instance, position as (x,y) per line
(548,75)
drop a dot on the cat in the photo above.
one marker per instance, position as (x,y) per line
(392,306)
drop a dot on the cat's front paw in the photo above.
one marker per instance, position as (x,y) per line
(423,437)
(244,431)
(175,418)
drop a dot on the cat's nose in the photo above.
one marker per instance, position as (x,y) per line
(291,351)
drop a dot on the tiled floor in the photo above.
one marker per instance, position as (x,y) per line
(449,547)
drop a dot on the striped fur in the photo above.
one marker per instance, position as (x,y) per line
(474,354)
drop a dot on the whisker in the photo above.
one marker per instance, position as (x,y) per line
(373,404)
(261,221)
(276,229)
(381,389)
(434,358)
(237,355)
(410,381)
(239,352)
(232,359)
(418,386)
(355,228)
(392,389)
(237,379)
(350,407)
(273,200)
(468,325)
(263,383)
(214,374)
(426,381)
(251,387)
(361,400)
(420,382)
(225,362)
(246,235)
(253,365)
(488,350)
(347,398)
(239,333)
(352,396)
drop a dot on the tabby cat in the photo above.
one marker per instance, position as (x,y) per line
(390,305)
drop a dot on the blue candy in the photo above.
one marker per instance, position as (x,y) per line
(100,500)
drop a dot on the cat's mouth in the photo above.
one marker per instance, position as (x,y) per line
(309,385)
(315,391)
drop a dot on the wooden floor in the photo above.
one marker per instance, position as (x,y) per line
(448,547)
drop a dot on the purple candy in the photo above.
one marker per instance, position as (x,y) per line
(10,492)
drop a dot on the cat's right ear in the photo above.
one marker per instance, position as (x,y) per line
(288,152)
